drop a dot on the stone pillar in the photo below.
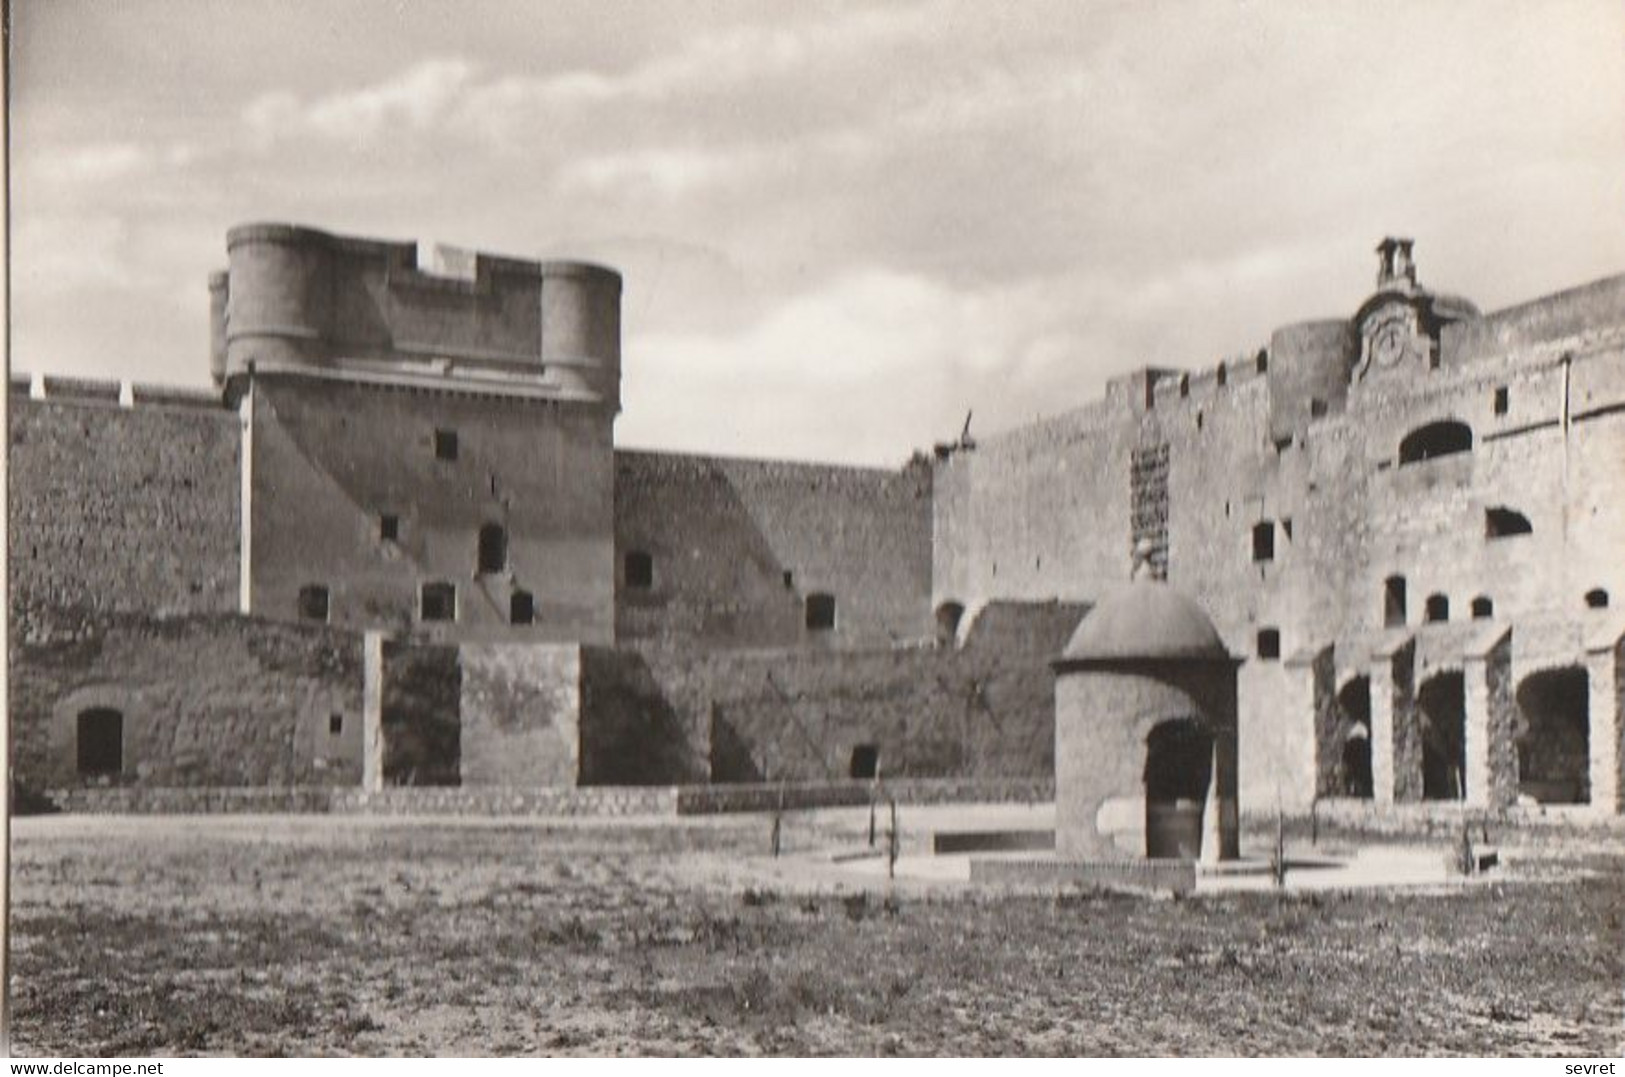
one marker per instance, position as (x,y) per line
(1476,734)
(1382,732)
(372,713)
(1603,666)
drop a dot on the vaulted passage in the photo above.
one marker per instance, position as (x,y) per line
(1442,712)
(1554,736)
(1178,768)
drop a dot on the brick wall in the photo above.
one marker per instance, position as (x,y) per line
(736,546)
(121,509)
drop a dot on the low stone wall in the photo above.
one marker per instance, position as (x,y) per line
(192,800)
(494,801)
(1434,819)
(717,799)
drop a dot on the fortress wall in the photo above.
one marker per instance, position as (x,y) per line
(1041,512)
(206,699)
(723,534)
(1568,318)
(985,710)
(519,707)
(330,458)
(121,509)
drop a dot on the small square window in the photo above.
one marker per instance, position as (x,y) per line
(640,571)
(522,608)
(313,603)
(445,444)
(389,527)
(438,602)
(335,725)
(1317,408)
(820,612)
(1269,644)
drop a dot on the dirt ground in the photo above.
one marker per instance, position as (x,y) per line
(340,935)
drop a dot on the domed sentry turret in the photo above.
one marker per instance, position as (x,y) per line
(1145,732)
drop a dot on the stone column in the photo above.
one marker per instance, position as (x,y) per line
(1476,732)
(372,713)
(1603,666)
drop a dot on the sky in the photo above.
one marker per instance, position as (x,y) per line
(842,226)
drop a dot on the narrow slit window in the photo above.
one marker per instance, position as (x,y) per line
(335,724)
(1264,541)
(1502,399)
(1393,602)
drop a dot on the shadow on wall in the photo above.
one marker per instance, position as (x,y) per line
(422,715)
(630,732)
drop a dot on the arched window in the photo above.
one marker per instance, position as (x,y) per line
(437,601)
(1435,439)
(1437,609)
(521,608)
(313,605)
(1393,602)
(1502,522)
(1597,599)
(1483,608)
(100,747)
(820,612)
(493,548)
(1269,643)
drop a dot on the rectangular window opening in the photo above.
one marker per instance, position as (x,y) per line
(389,527)
(445,444)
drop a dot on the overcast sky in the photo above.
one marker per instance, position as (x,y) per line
(842,226)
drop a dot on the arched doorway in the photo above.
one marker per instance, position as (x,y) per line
(1354,754)
(99,744)
(1554,736)
(1178,769)
(1442,715)
(949,615)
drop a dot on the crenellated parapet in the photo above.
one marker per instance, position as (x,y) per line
(298,300)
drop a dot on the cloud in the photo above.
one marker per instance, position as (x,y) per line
(417,100)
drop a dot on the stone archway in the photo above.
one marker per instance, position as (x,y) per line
(1178,773)
(1554,736)
(1354,749)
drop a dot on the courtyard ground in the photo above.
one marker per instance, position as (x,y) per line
(332,934)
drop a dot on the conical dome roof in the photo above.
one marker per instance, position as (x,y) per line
(1145,619)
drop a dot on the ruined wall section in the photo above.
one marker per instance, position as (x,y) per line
(205,700)
(331,459)
(120,508)
(735,547)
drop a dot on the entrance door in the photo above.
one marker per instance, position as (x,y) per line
(1178,768)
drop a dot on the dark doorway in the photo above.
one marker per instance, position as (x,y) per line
(1178,768)
(1354,771)
(1442,713)
(1554,736)
(949,614)
(521,608)
(100,743)
(865,761)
